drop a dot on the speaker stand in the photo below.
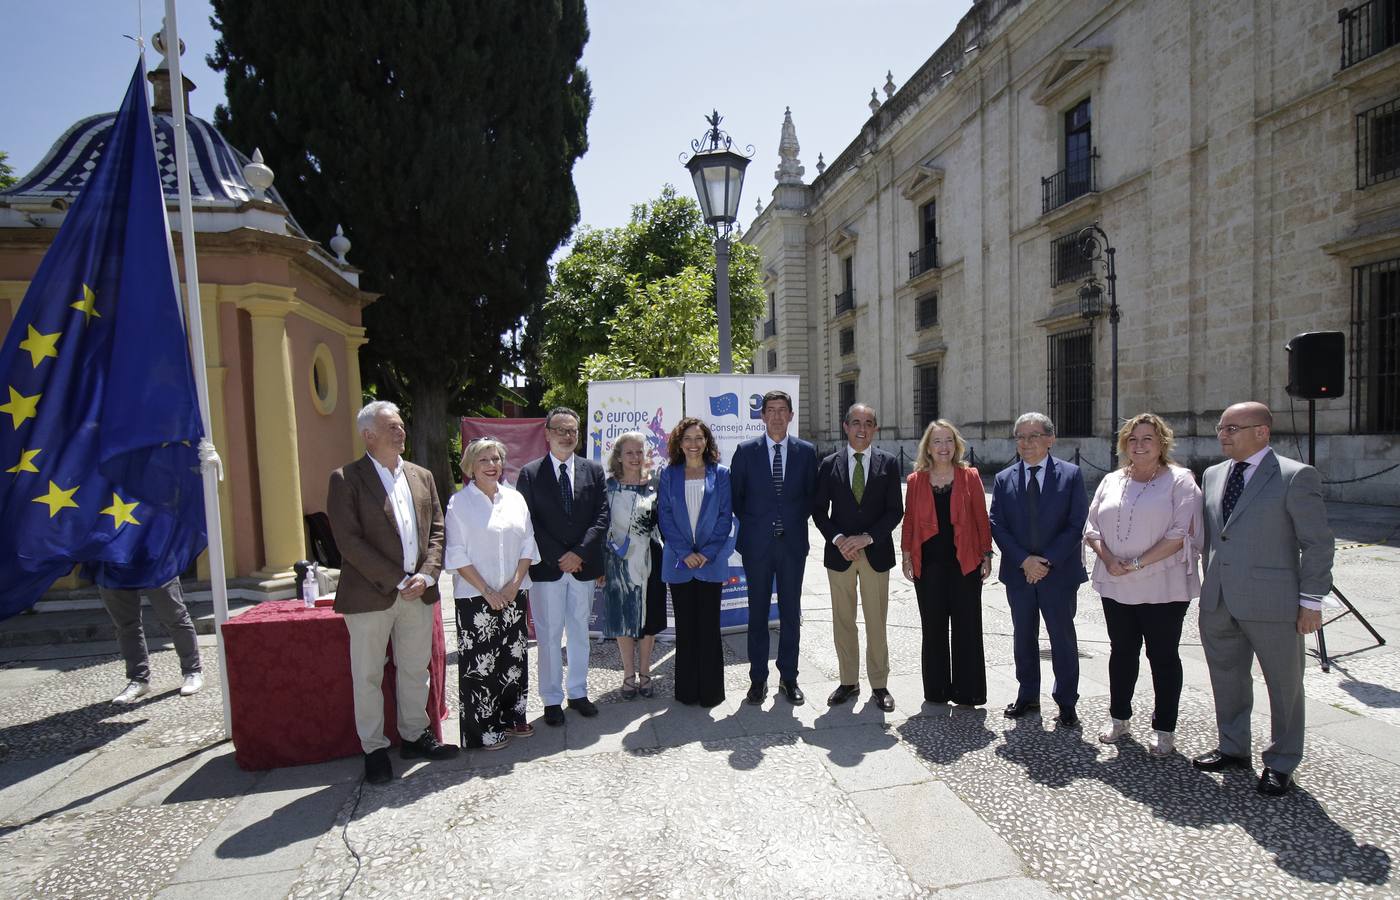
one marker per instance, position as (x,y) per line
(1351,610)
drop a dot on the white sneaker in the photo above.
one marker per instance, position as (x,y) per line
(192,684)
(1115,729)
(1163,743)
(135,690)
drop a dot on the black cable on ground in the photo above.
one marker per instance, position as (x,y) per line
(345,837)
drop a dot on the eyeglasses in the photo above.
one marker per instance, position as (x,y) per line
(1028,438)
(565,432)
(1233,430)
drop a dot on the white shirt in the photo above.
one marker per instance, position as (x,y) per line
(1040,475)
(492,535)
(694,499)
(786,444)
(851,463)
(1307,601)
(568,465)
(401,499)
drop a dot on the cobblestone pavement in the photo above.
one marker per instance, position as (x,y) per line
(655,799)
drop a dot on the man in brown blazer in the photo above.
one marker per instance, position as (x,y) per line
(387,521)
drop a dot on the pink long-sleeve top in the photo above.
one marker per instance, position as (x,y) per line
(1130,517)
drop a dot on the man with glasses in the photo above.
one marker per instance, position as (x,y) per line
(1038,510)
(568,503)
(1268,564)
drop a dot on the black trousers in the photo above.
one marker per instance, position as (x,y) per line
(699,650)
(1158,625)
(950,608)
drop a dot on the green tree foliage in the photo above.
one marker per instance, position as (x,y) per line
(639,302)
(442,134)
(7,173)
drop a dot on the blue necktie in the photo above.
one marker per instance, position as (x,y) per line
(566,490)
(1033,507)
(1234,486)
(778,486)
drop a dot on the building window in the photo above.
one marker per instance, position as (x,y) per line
(925,394)
(845,398)
(1077,178)
(1375,347)
(1071,378)
(1378,144)
(846,300)
(848,341)
(1067,260)
(926,313)
(1368,28)
(926,257)
(772,360)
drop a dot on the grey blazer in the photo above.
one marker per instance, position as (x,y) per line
(1276,545)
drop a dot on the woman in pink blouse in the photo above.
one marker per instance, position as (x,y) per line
(1145,529)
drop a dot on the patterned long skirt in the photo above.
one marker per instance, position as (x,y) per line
(491,671)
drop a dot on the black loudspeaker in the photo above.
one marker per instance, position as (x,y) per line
(1316,365)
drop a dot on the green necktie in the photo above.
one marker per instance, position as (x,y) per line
(858,479)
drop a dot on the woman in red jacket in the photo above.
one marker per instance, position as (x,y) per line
(947,544)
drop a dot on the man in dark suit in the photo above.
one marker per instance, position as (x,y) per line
(568,501)
(857,507)
(387,522)
(773,479)
(1038,510)
(1268,564)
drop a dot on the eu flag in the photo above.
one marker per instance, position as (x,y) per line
(99,420)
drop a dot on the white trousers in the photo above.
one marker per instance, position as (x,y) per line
(409,623)
(561,609)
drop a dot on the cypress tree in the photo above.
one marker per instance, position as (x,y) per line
(442,134)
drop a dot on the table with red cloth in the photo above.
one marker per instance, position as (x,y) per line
(289,685)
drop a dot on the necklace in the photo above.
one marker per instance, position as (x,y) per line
(1123,501)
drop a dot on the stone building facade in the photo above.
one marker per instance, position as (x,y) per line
(1243,160)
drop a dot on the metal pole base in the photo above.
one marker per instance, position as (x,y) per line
(1351,610)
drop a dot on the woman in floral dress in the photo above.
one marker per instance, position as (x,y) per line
(490,546)
(634,599)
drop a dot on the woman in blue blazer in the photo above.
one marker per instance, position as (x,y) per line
(696,518)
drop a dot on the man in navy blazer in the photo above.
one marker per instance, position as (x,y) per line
(1038,510)
(568,500)
(858,505)
(773,479)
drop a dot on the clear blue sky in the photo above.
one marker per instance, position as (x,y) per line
(653,78)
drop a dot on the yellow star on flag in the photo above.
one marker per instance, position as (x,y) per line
(121,511)
(87,305)
(57,498)
(40,346)
(21,407)
(26,462)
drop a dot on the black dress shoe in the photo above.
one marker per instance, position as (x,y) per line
(553,715)
(377,767)
(584,706)
(792,692)
(1019,708)
(1218,761)
(843,693)
(425,746)
(1273,783)
(757,691)
(1067,717)
(884,700)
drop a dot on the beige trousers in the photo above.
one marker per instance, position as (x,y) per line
(409,623)
(875,601)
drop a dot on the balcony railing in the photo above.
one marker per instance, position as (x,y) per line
(1378,144)
(1070,183)
(923,259)
(1067,260)
(1369,28)
(770,328)
(846,301)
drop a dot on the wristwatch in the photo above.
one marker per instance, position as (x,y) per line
(1137,563)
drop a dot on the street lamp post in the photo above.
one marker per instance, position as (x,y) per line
(718,173)
(1093,243)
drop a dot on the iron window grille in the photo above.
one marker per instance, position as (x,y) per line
(1378,144)
(772,360)
(1375,347)
(926,394)
(926,313)
(770,329)
(923,260)
(1368,28)
(845,398)
(1070,377)
(1067,260)
(846,301)
(848,341)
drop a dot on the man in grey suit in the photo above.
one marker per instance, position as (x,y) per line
(1268,564)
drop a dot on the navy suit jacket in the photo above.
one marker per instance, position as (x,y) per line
(756,502)
(585,532)
(1064,505)
(712,530)
(881,507)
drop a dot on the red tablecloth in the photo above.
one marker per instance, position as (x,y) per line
(289,685)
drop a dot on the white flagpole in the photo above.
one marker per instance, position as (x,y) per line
(196,337)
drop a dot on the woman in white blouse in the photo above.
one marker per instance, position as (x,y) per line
(1144,527)
(490,546)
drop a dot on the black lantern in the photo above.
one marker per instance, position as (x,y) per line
(1091,299)
(718,173)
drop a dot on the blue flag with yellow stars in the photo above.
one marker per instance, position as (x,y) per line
(99,420)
